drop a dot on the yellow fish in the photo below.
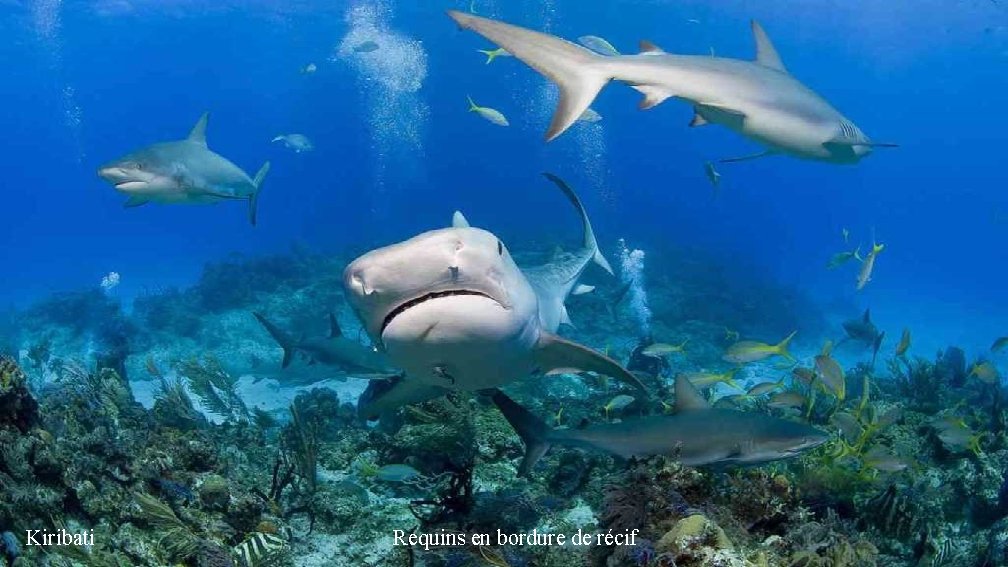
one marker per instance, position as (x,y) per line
(490,114)
(764,388)
(618,403)
(832,375)
(494,54)
(904,343)
(868,265)
(751,351)
(787,400)
(658,350)
(985,371)
(843,257)
(702,380)
(827,348)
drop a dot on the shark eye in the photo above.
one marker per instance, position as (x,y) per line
(500,248)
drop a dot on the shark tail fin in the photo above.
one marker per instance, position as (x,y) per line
(589,234)
(285,341)
(782,347)
(580,73)
(533,431)
(254,198)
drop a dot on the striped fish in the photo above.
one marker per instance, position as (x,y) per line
(944,554)
(260,549)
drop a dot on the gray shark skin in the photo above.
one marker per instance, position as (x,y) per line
(757,99)
(335,350)
(453,310)
(183,172)
(696,434)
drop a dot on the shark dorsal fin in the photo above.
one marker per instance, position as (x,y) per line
(648,47)
(198,132)
(867,316)
(766,54)
(459,220)
(687,398)
(334,328)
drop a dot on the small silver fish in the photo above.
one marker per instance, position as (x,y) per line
(397,473)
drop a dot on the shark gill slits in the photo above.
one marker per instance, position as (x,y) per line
(500,248)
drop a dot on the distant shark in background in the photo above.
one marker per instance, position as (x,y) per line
(862,330)
(183,172)
(335,350)
(453,310)
(696,434)
(757,99)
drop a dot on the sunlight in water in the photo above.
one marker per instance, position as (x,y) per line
(391,68)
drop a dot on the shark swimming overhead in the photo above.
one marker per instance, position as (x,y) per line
(696,434)
(757,99)
(183,172)
(453,310)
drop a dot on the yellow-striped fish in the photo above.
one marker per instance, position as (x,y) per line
(751,351)
(904,343)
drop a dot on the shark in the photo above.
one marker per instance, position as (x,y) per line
(695,433)
(758,99)
(862,330)
(183,172)
(335,350)
(453,310)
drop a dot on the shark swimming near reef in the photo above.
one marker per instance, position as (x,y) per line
(696,434)
(453,310)
(757,99)
(335,350)
(862,330)
(183,172)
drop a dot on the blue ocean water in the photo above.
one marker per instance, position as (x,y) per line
(396,151)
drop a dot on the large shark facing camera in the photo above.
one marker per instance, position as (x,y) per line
(453,310)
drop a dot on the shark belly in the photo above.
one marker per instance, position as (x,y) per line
(462,343)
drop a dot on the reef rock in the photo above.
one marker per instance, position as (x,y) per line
(17,406)
(693,531)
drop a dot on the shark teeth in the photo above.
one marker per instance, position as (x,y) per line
(427,297)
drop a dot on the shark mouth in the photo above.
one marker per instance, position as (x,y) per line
(423,298)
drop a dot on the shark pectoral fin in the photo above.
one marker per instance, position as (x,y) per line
(554,352)
(766,53)
(198,132)
(747,158)
(384,396)
(720,114)
(135,201)
(533,431)
(459,220)
(653,96)
(581,289)
(688,398)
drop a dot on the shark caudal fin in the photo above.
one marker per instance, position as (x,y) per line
(285,341)
(254,197)
(578,72)
(589,234)
(533,431)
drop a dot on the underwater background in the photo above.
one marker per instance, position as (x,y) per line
(395,153)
